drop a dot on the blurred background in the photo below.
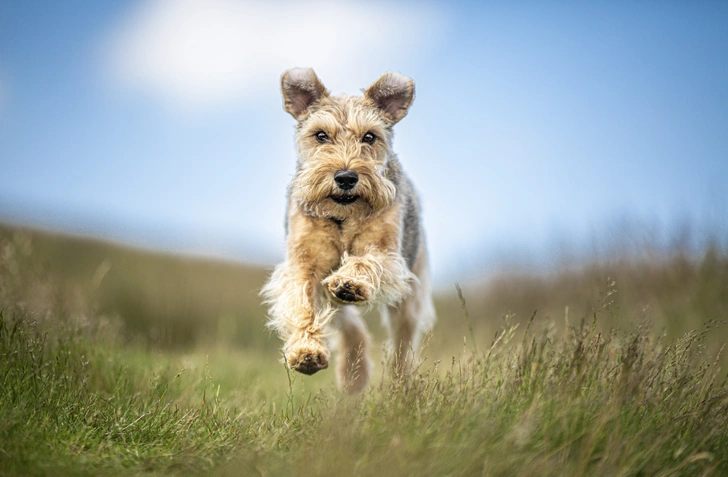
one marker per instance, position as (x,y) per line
(555,145)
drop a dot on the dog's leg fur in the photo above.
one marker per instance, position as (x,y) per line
(409,319)
(353,364)
(373,277)
(297,308)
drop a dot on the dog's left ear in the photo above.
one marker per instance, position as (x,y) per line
(393,94)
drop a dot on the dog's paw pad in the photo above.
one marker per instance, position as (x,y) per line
(309,363)
(348,291)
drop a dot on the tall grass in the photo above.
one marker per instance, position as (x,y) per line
(556,395)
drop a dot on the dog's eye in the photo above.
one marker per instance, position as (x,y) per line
(322,137)
(368,138)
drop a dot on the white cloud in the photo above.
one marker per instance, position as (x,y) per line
(201,52)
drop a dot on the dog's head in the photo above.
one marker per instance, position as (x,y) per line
(345,166)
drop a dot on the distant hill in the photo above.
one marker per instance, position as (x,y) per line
(168,300)
(163,298)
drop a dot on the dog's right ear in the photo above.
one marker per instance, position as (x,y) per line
(301,89)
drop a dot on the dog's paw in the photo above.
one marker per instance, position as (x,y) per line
(348,290)
(308,358)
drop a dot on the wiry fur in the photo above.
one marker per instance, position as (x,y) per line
(369,250)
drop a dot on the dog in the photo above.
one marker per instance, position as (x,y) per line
(354,232)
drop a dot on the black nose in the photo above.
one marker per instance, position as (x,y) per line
(346,179)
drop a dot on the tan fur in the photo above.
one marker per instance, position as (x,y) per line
(348,245)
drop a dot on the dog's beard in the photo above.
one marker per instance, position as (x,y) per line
(316,191)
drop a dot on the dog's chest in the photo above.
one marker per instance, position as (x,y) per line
(344,233)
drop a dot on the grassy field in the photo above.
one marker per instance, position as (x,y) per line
(120,362)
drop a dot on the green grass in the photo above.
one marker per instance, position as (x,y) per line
(622,386)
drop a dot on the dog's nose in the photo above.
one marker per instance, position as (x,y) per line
(346,179)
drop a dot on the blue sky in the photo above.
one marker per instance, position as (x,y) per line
(538,127)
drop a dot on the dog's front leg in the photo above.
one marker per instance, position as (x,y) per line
(374,271)
(371,278)
(294,294)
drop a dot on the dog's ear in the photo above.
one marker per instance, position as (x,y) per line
(393,94)
(301,88)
